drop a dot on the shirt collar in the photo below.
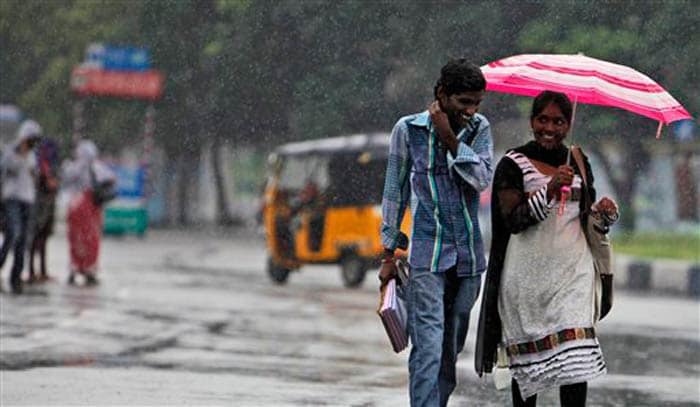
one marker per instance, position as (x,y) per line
(423,120)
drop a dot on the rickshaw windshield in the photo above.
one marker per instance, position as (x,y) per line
(356,179)
(297,171)
(353,178)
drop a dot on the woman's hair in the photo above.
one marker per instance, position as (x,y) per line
(460,75)
(545,98)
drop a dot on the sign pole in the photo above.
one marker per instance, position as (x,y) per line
(147,158)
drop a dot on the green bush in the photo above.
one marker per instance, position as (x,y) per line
(659,245)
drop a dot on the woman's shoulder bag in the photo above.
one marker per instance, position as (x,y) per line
(599,244)
(102,191)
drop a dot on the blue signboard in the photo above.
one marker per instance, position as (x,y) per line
(115,58)
(130,181)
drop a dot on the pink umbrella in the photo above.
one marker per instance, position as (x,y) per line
(586,80)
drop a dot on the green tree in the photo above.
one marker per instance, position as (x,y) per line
(262,72)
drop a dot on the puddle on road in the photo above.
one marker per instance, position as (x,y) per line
(216,328)
(632,354)
(153,316)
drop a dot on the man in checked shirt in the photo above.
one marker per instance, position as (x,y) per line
(439,161)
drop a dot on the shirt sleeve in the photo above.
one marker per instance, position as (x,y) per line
(474,163)
(517,210)
(11,163)
(397,188)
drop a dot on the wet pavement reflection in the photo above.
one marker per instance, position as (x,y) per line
(198,319)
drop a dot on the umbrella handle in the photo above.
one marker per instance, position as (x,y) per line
(658,130)
(564,192)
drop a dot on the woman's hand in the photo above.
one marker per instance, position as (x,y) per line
(564,176)
(443,130)
(608,208)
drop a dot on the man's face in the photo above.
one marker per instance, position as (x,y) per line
(460,107)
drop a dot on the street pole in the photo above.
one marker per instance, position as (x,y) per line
(147,158)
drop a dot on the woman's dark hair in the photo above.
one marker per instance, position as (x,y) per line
(460,75)
(545,98)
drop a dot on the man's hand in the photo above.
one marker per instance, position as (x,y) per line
(387,271)
(563,177)
(443,130)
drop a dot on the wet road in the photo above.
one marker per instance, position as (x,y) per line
(191,318)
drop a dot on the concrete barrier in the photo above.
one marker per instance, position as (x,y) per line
(663,276)
(694,281)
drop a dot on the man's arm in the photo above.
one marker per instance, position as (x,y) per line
(474,163)
(397,189)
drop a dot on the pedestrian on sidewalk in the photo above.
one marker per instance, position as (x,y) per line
(82,178)
(18,194)
(538,302)
(46,190)
(439,161)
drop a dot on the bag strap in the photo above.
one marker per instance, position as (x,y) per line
(93,176)
(576,153)
(544,168)
(578,157)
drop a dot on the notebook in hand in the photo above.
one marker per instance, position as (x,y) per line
(393,315)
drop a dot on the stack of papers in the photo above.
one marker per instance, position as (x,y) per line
(393,315)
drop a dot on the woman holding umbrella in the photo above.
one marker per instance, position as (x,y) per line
(539,297)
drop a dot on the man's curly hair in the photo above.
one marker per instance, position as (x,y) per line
(460,75)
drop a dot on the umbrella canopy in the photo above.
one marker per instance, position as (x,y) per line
(585,80)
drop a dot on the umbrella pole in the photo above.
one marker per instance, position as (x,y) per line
(573,119)
(566,190)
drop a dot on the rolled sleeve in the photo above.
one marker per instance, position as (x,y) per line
(474,163)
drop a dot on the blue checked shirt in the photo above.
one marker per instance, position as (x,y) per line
(443,192)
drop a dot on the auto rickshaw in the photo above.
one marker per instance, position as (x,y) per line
(322,205)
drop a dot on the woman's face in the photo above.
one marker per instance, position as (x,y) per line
(550,127)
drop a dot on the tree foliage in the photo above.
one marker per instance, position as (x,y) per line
(261,72)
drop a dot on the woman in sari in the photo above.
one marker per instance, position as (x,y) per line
(84,213)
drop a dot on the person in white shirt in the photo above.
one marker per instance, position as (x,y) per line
(19,171)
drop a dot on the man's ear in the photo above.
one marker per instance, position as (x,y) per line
(440,93)
(442,97)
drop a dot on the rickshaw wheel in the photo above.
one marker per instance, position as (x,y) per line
(353,270)
(277,273)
